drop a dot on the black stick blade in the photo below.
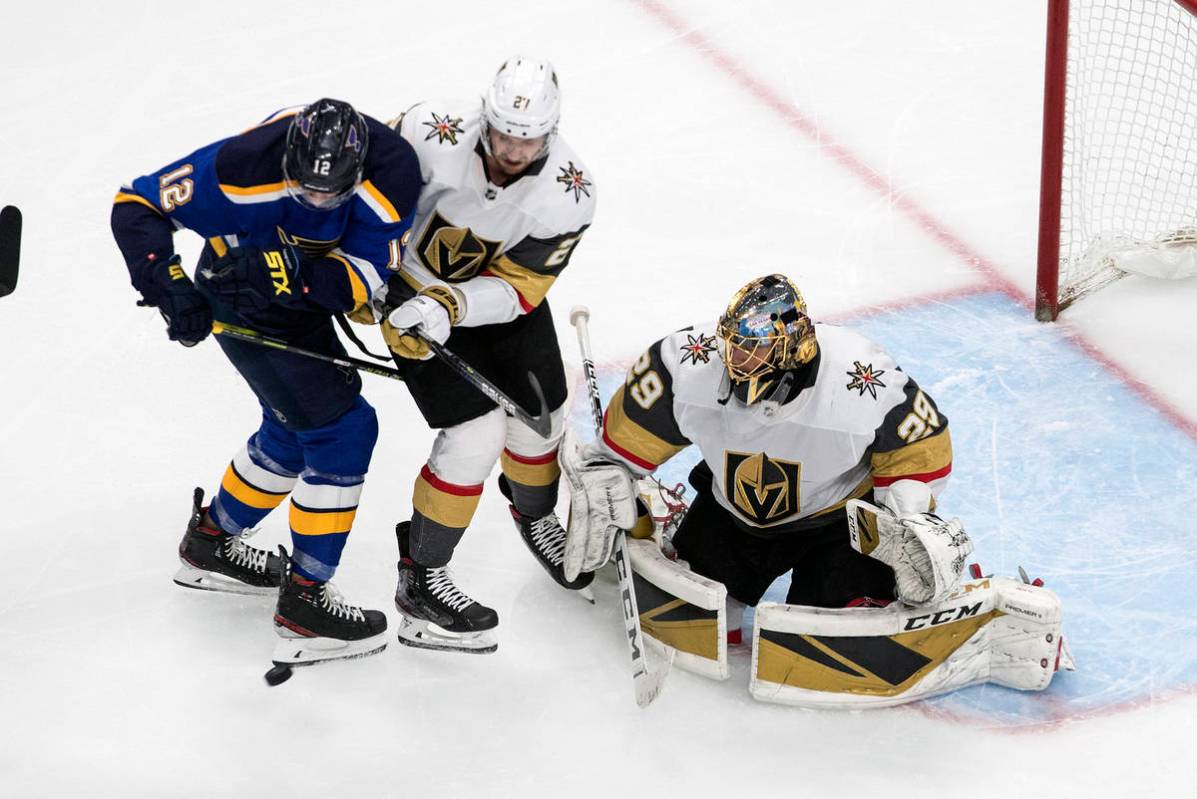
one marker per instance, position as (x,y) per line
(10,248)
(542,423)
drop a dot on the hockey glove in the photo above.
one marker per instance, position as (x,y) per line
(602,501)
(926,553)
(164,285)
(249,279)
(432,313)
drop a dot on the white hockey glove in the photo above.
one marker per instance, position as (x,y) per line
(434,311)
(602,502)
(926,553)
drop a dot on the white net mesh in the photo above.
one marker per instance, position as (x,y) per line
(1130,141)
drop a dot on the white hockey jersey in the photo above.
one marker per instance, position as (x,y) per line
(860,426)
(501,246)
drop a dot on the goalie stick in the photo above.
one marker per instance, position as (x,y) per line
(10,248)
(647,683)
(541,423)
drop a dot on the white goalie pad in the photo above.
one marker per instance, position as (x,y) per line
(683,610)
(996,630)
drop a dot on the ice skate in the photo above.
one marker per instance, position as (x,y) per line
(213,560)
(545,539)
(315,625)
(435,614)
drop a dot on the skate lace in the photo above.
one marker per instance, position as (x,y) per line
(242,554)
(549,538)
(332,601)
(440,584)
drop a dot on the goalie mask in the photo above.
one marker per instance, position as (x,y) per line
(765,334)
(523,101)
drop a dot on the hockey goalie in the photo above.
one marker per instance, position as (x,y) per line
(820,457)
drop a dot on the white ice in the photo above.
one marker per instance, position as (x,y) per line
(883,154)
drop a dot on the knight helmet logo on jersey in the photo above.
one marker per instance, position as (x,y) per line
(765,490)
(454,253)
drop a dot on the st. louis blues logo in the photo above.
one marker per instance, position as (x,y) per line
(352,142)
(573,180)
(698,349)
(445,128)
(864,378)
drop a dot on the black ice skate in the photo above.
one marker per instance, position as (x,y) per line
(213,560)
(434,613)
(545,539)
(315,624)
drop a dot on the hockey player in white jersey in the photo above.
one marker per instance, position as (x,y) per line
(504,204)
(801,428)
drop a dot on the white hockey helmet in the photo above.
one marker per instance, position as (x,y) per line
(523,101)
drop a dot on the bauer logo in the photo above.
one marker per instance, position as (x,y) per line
(946,616)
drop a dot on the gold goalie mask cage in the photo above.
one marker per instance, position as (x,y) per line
(765,331)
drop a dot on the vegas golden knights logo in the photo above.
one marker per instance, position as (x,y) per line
(764,489)
(454,253)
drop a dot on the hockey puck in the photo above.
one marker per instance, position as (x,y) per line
(279,674)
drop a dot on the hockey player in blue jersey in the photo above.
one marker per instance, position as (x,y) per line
(304,216)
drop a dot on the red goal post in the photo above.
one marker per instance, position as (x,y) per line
(1119,169)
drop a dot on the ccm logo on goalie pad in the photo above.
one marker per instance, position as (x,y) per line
(945,616)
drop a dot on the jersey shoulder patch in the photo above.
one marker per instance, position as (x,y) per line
(439,125)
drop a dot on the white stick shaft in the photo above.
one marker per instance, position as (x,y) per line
(580,317)
(647,684)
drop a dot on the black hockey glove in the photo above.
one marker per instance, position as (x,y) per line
(164,285)
(249,279)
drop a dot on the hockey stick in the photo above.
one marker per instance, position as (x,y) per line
(541,423)
(647,683)
(10,248)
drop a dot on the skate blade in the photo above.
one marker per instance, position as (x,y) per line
(426,635)
(190,577)
(298,651)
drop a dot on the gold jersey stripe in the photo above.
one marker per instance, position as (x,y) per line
(449,510)
(632,438)
(382,201)
(218,246)
(126,197)
(529,474)
(923,457)
(531,286)
(863,488)
(306,522)
(361,295)
(252,191)
(245,493)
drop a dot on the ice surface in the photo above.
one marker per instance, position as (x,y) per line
(884,154)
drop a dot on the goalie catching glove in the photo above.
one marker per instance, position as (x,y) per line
(602,502)
(926,553)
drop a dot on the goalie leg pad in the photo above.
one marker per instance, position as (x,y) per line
(680,609)
(993,630)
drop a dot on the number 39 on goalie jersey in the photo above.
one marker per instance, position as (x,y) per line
(862,425)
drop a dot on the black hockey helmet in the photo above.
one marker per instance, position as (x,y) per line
(326,152)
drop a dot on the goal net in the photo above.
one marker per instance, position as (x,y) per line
(1119,183)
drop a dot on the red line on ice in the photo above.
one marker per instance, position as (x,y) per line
(993,279)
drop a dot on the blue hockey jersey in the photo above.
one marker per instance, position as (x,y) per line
(233,193)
